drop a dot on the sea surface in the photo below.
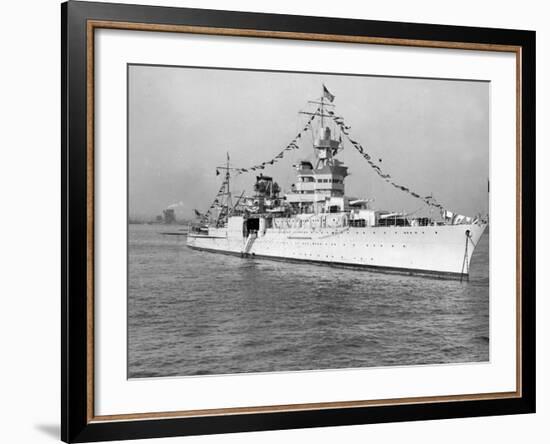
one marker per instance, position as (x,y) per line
(198,313)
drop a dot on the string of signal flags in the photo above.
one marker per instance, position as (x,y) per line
(340,122)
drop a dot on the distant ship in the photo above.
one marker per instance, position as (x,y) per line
(316,222)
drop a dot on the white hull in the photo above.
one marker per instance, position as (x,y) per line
(421,249)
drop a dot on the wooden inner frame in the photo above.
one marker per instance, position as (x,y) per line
(92,25)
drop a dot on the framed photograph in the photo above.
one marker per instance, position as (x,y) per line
(275,221)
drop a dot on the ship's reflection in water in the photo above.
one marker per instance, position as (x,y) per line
(194,313)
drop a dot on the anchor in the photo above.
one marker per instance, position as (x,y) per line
(465,261)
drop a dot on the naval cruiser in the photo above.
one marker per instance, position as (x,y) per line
(315,221)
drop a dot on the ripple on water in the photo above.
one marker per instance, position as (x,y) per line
(198,313)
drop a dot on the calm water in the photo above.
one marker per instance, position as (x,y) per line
(194,313)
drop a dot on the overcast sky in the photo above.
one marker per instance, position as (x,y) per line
(432,135)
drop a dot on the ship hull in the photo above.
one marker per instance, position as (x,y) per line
(444,251)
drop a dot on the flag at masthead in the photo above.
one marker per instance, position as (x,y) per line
(327,94)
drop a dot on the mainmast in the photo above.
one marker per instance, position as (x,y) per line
(227,206)
(227,181)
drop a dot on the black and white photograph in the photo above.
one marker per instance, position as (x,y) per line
(263,222)
(302,221)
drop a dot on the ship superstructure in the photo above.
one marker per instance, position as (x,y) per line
(316,221)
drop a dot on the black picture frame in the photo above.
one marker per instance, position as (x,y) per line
(76,423)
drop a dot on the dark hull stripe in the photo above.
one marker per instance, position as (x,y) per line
(375,268)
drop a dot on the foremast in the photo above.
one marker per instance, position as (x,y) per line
(320,185)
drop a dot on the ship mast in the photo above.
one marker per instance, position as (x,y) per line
(320,184)
(325,146)
(228,207)
(227,180)
(322,111)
